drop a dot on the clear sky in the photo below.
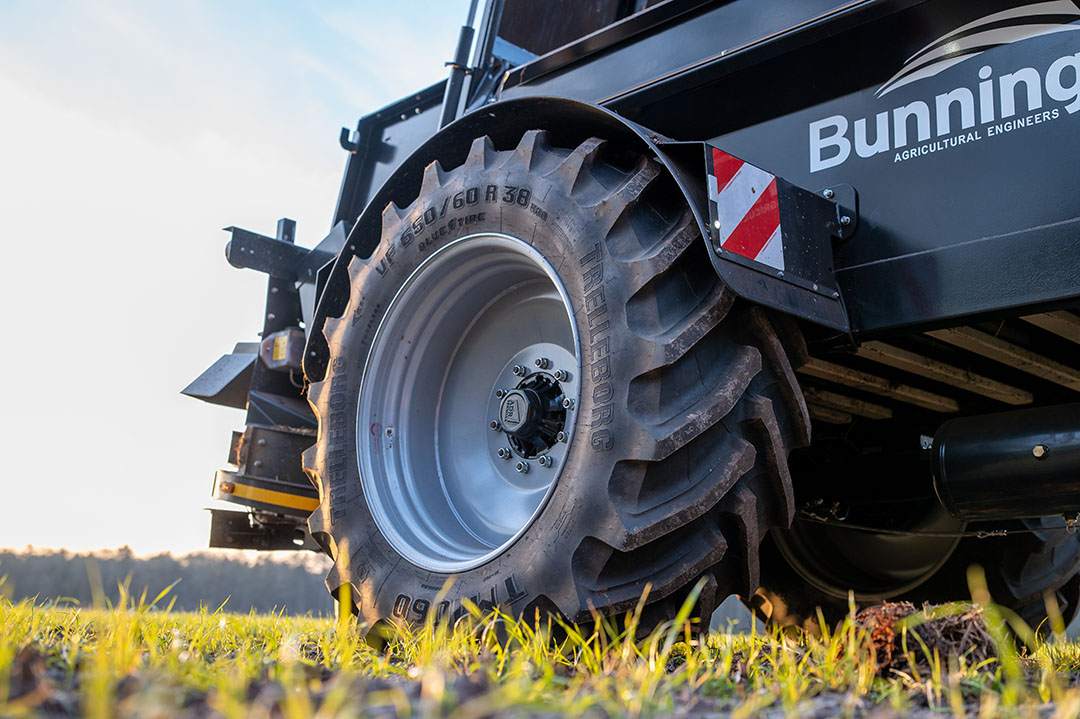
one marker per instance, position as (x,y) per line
(130,134)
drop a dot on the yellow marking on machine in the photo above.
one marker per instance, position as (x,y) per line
(270,496)
(281,346)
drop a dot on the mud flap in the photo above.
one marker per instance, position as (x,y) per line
(771,242)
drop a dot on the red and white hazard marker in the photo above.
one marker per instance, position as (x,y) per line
(747,209)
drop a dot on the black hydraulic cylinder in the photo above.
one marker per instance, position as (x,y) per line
(1010,465)
(458,70)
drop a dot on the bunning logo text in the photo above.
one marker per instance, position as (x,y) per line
(985,107)
(903,129)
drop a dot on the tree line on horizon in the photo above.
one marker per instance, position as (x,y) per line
(291,583)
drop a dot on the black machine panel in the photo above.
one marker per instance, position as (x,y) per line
(966,196)
(956,123)
(962,146)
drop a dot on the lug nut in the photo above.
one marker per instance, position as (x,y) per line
(495,425)
(546,461)
(522,467)
(561,436)
(567,403)
(542,363)
(561,375)
(500,393)
(503,453)
(520,370)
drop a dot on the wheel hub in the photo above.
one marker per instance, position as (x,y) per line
(532,415)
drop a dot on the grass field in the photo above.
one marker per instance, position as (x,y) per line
(136,659)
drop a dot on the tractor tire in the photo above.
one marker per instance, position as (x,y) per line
(655,439)
(1022,570)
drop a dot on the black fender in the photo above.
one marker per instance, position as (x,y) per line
(568,122)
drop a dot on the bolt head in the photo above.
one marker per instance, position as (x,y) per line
(561,436)
(495,426)
(542,363)
(845,220)
(567,403)
(503,453)
(561,375)
(500,393)
(519,370)
(829,194)
(522,467)
(1040,451)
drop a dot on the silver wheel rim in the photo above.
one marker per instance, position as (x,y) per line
(481,329)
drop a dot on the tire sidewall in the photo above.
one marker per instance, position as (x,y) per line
(513,201)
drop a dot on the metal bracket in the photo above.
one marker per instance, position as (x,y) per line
(276,256)
(268,475)
(227,381)
(240,530)
(345,138)
(846,200)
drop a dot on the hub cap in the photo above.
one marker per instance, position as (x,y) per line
(520,412)
(466,404)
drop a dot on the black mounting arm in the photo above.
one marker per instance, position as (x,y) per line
(276,256)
